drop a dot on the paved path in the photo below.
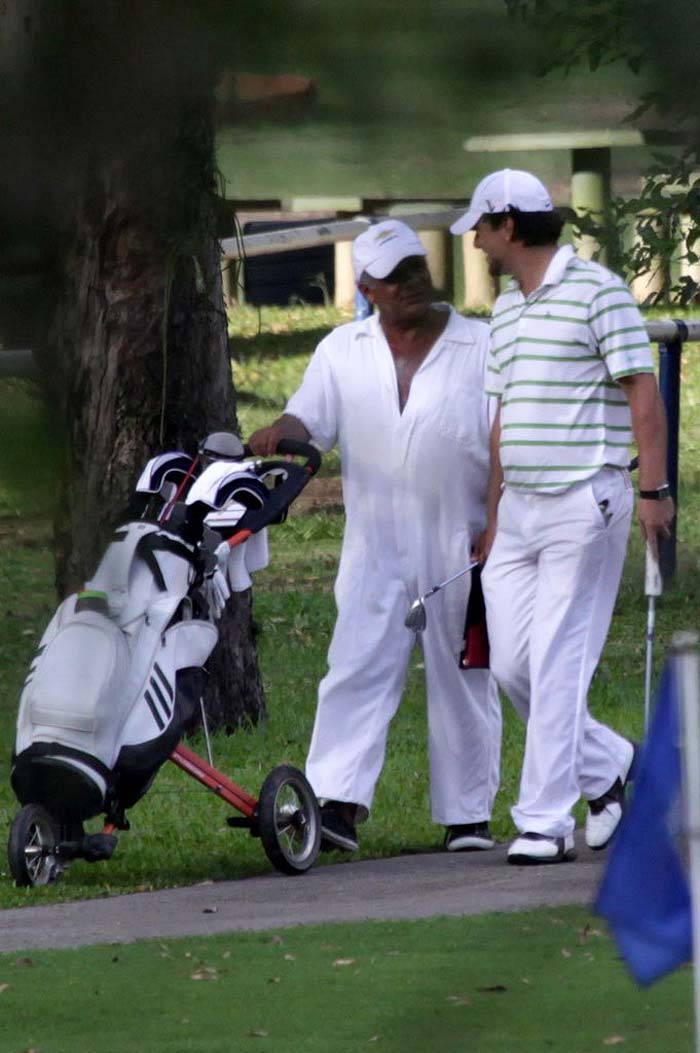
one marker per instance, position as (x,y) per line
(411,886)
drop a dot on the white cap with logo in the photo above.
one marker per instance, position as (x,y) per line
(501,191)
(381,248)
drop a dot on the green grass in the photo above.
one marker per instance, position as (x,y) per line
(398,92)
(271,347)
(178,831)
(493,984)
(30,457)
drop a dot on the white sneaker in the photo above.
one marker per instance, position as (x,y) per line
(605,813)
(531,849)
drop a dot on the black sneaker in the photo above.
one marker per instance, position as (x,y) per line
(337,833)
(469,837)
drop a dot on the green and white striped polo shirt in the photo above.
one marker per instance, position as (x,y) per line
(554,362)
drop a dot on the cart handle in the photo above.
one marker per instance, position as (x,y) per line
(295,448)
(282,496)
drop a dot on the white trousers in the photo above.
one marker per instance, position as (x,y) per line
(368,661)
(550,585)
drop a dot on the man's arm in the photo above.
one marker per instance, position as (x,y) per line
(264,440)
(493,493)
(649,427)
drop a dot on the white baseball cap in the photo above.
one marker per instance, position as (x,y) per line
(501,191)
(381,248)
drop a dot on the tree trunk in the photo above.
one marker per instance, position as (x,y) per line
(140,345)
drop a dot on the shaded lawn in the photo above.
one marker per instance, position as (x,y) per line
(398,92)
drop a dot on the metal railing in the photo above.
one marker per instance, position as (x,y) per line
(670,336)
(326,233)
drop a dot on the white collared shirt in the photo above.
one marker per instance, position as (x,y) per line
(414,482)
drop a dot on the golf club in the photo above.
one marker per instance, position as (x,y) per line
(652,588)
(417,619)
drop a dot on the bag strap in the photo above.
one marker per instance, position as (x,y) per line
(149,544)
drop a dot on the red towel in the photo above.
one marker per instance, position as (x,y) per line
(475,649)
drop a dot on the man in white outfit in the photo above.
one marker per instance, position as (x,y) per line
(571,366)
(402,394)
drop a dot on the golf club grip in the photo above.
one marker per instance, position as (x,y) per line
(653,584)
(295,448)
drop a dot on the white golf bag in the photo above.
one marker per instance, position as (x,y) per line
(119,672)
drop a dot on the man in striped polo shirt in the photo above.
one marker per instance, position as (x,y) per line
(571,365)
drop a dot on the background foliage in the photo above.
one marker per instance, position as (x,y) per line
(658,42)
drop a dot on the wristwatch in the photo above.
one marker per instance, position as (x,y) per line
(659,494)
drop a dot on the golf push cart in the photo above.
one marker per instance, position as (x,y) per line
(118,676)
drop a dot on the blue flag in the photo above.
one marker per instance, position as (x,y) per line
(644,894)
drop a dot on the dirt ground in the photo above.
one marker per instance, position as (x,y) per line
(324,494)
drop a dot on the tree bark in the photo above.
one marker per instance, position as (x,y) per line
(139,350)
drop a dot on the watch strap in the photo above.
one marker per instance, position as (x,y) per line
(659,494)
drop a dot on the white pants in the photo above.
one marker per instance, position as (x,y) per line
(550,585)
(368,662)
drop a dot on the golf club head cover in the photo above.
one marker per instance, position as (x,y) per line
(475,649)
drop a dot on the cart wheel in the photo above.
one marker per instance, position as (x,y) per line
(289,820)
(31,847)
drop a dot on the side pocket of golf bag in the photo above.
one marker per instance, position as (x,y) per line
(165,707)
(70,711)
